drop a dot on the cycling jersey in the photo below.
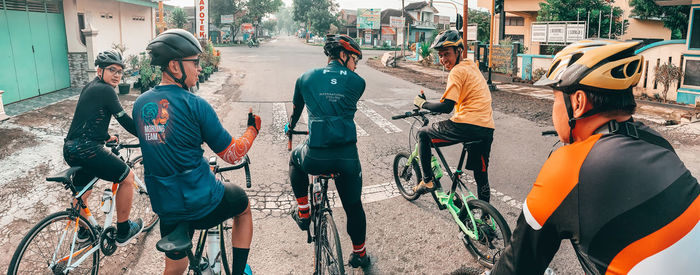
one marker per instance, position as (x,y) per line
(172,124)
(97,103)
(330,95)
(467,87)
(629,206)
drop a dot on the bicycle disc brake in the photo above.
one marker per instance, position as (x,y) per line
(108,243)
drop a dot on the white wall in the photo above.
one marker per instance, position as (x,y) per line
(121,28)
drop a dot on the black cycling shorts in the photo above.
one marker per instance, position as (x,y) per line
(447,132)
(95,160)
(234,202)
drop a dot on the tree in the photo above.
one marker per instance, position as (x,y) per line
(675,18)
(269,25)
(257,9)
(285,22)
(319,14)
(483,21)
(560,10)
(178,18)
(666,74)
(217,8)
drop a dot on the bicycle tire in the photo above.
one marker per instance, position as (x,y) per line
(141,205)
(225,238)
(328,241)
(51,221)
(498,238)
(403,175)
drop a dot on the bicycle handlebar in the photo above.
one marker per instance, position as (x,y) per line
(290,133)
(415,112)
(550,133)
(243,164)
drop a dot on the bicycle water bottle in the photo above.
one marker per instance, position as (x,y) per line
(437,170)
(213,249)
(107,201)
(317,193)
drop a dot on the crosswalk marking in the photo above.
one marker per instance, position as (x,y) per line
(279,118)
(387,126)
(360,132)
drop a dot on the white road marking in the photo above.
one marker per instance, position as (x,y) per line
(360,132)
(279,116)
(387,126)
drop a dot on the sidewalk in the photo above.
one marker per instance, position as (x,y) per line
(656,112)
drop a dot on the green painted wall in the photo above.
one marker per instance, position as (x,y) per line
(21,40)
(8,80)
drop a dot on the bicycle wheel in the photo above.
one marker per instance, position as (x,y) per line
(46,249)
(406,177)
(225,237)
(329,251)
(141,205)
(493,232)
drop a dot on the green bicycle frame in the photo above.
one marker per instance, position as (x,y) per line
(446,200)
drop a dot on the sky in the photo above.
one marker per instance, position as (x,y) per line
(445,9)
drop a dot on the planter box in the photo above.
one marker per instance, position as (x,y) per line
(124,88)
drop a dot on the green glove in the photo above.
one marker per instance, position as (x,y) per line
(419,101)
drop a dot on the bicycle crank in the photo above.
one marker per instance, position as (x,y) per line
(108,243)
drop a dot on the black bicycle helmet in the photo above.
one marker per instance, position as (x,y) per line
(448,38)
(109,57)
(336,43)
(171,45)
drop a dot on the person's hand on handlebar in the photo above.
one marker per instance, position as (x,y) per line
(254,120)
(287,129)
(419,100)
(113,139)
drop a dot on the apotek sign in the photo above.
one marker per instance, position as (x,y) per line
(202,19)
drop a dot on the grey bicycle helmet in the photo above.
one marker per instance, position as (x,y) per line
(173,44)
(109,57)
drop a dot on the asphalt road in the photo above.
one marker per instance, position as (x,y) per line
(403,237)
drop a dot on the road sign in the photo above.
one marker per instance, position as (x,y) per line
(202,19)
(226,18)
(575,32)
(539,33)
(397,21)
(369,18)
(556,33)
(472,32)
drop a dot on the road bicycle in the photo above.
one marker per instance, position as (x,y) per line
(209,256)
(52,245)
(482,228)
(328,253)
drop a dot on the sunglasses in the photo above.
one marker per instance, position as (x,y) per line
(195,60)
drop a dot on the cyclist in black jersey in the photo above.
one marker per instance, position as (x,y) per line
(618,191)
(331,94)
(84,143)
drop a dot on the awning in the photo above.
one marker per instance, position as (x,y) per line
(145,3)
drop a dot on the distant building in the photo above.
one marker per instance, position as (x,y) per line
(422,21)
(348,19)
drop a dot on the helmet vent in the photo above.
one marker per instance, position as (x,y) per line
(618,72)
(632,67)
(574,58)
(553,67)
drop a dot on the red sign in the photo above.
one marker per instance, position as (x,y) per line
(388,30)
(247,27)
(202,22)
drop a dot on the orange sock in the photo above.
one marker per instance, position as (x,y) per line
(304,207)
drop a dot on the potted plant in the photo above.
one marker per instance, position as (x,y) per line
(146,72)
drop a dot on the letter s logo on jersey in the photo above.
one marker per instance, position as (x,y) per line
(334,81)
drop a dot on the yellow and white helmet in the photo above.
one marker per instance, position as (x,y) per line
(596,66)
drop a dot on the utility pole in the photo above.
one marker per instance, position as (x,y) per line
(403,29)
(588,22)
(600,20)
(491,27)
(465,19)
(611,20)
(502,22)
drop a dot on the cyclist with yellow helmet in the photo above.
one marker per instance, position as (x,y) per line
(618,190)
(469,96)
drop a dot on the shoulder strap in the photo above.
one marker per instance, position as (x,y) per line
(631,130)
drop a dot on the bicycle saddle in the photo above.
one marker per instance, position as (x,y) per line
(177,240)
(65,175)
